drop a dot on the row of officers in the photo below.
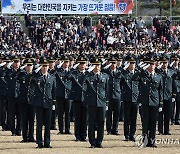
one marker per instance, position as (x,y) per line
(95,93)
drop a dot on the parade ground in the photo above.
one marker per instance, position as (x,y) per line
(62,144)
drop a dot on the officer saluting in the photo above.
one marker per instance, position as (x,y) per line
(96,97)
(62,94)
(114,97)
(27,110)
(130,94)
(168,96)
(150,96)
(77,95)
(14,108)
(44,86)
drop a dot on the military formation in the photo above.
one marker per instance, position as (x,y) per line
(97,88)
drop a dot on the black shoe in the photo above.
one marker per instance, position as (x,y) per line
(24,141)
(132,138)
(116,133)
(40,146)
(53,128)
(18,133)
(126,138)
(13,134)
(92,146)
(83,140)
(68,132)
(177,123)
(31,140)
(77,140)
(160,133)
(108,133)
(151,145)
(60,133)
(99,146)
(47,146)
(167,133)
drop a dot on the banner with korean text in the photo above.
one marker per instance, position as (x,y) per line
(67,6)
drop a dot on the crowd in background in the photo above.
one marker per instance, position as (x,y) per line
(77,34)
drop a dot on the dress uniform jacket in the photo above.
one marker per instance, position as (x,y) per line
(44,91)
(24,93)
(130,90)
(97,90)
(114,84)
(150,89)
(12,84)
(167,78)
(3,104)
(78,85)
(3,82)
(63,84)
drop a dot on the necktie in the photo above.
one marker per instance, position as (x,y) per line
(97,77)
(151,76)
(44,78)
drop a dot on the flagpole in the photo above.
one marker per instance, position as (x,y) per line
(136,8)
(170,9)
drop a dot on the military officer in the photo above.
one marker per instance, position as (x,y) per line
(114,97)
(3,99)
(175,116)
(77,95)
(27,110)
(52,71)
(151,98)
(177,88)
(130,94)
(14,107)
(96,97)
(44,87)
(62,94)
(168,93)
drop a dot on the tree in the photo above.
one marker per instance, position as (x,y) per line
(164,7)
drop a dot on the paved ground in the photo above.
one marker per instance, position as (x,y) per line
(112,144)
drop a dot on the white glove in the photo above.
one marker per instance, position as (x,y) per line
(140,104)
(22,67)
(58,66)
(75,66)
(106,108)
(126,66)
(53,107)
(37,65)
(2,64)
(38,69)
(146,66)
(104,62)
(172,64)
(9,65)
(160,66)
(106,67)
(141,66)
(140,63)
(91,68)
(173,99)
(160,109)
